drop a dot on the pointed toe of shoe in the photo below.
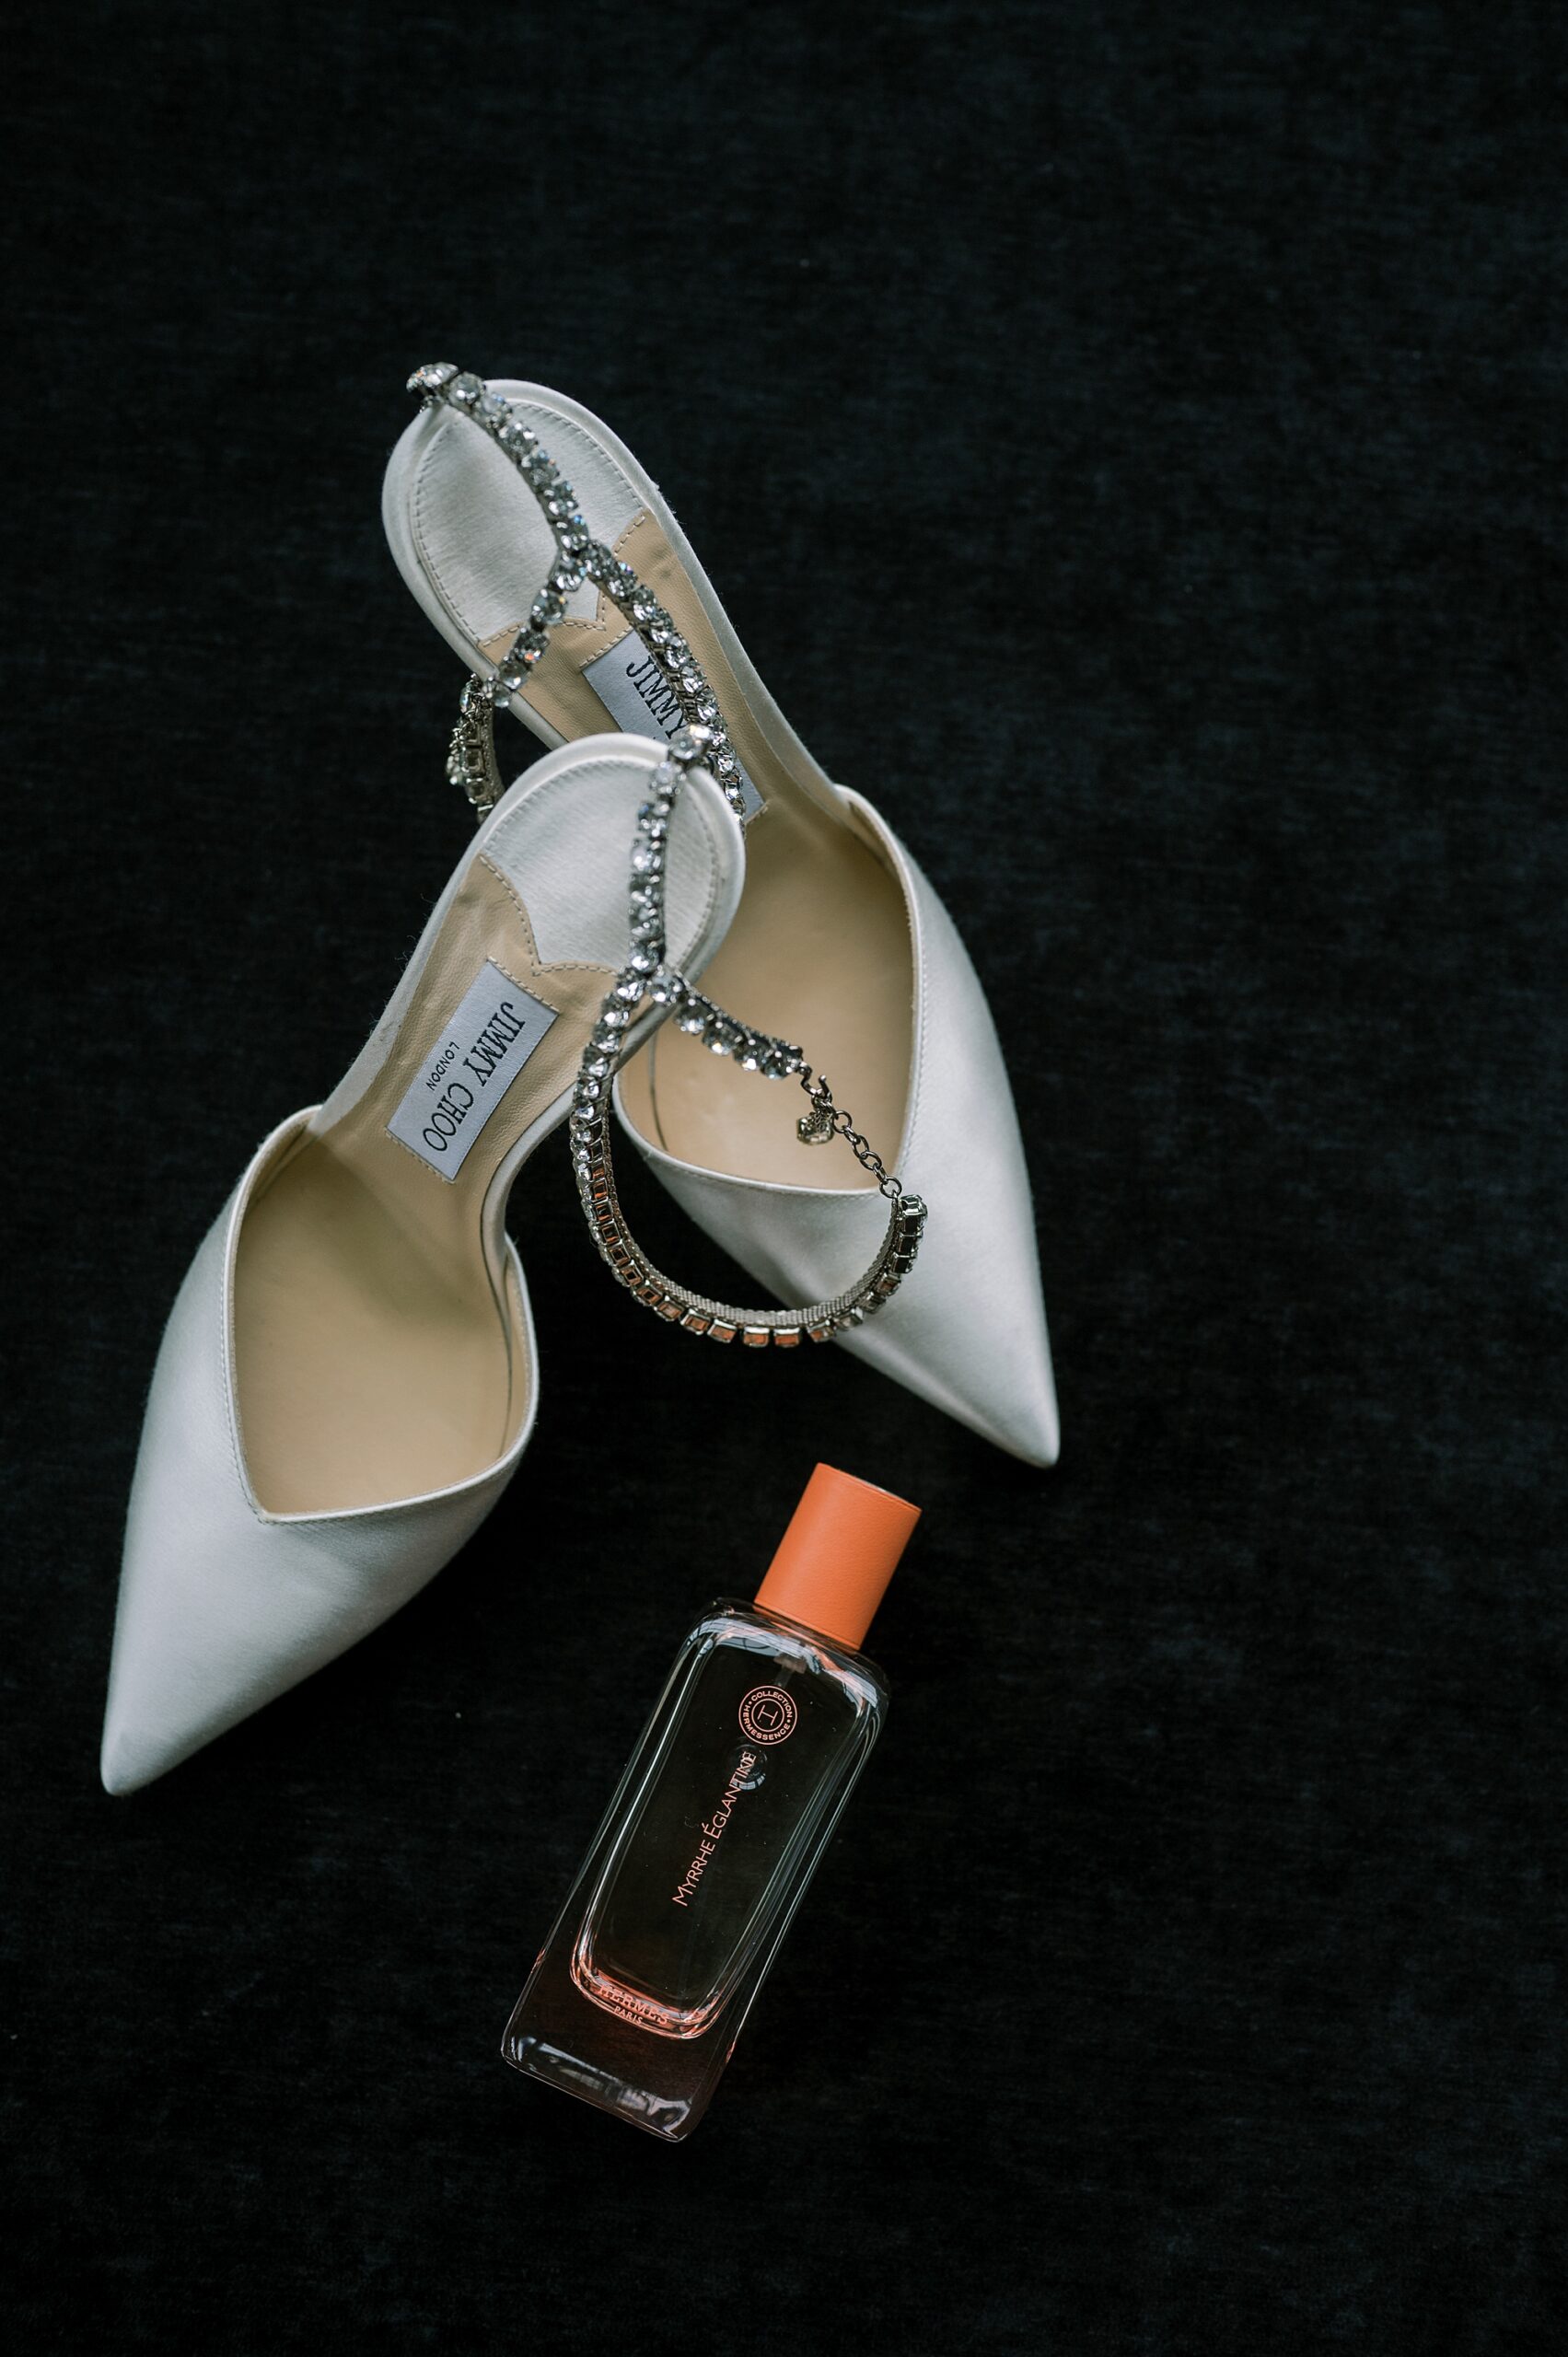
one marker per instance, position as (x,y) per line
(967,1330)
(1033,1431)
(219,1615)
(222,1609)
(124,1765)
(973,1341)
(137,1750)
(223,1605)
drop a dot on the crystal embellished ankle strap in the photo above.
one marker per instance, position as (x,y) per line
(578,558)
(646,974)
(471,763)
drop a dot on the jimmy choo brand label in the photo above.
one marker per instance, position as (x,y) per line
(469,1070)
(638,698)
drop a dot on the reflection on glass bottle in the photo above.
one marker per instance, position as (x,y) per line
(726,1804)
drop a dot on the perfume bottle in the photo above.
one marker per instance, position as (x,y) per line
(725,1807)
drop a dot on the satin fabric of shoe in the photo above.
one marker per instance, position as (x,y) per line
(222,1605)
(968,1332)
(237,1580)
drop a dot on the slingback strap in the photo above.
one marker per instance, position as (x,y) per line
(578,558)
(471,763)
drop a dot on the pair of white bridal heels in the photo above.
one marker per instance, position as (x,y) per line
(348,1377)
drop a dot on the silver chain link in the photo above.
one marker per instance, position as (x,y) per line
(827,1121)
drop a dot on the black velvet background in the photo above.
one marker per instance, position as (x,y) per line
(1129,440)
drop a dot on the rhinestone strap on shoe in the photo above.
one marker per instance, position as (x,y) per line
(471,763)
(578,558)
(646,974)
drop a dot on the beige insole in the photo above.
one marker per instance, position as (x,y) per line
(819,953)
(373,1360)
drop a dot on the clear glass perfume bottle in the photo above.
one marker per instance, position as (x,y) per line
(725,1807)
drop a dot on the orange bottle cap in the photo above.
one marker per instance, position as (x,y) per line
(841,1550)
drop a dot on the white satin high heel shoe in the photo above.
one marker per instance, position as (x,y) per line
(348,1377)
(546,557)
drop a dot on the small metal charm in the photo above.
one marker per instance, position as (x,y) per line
(818,1126)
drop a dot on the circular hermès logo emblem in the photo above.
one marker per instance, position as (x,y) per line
(768,1714)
